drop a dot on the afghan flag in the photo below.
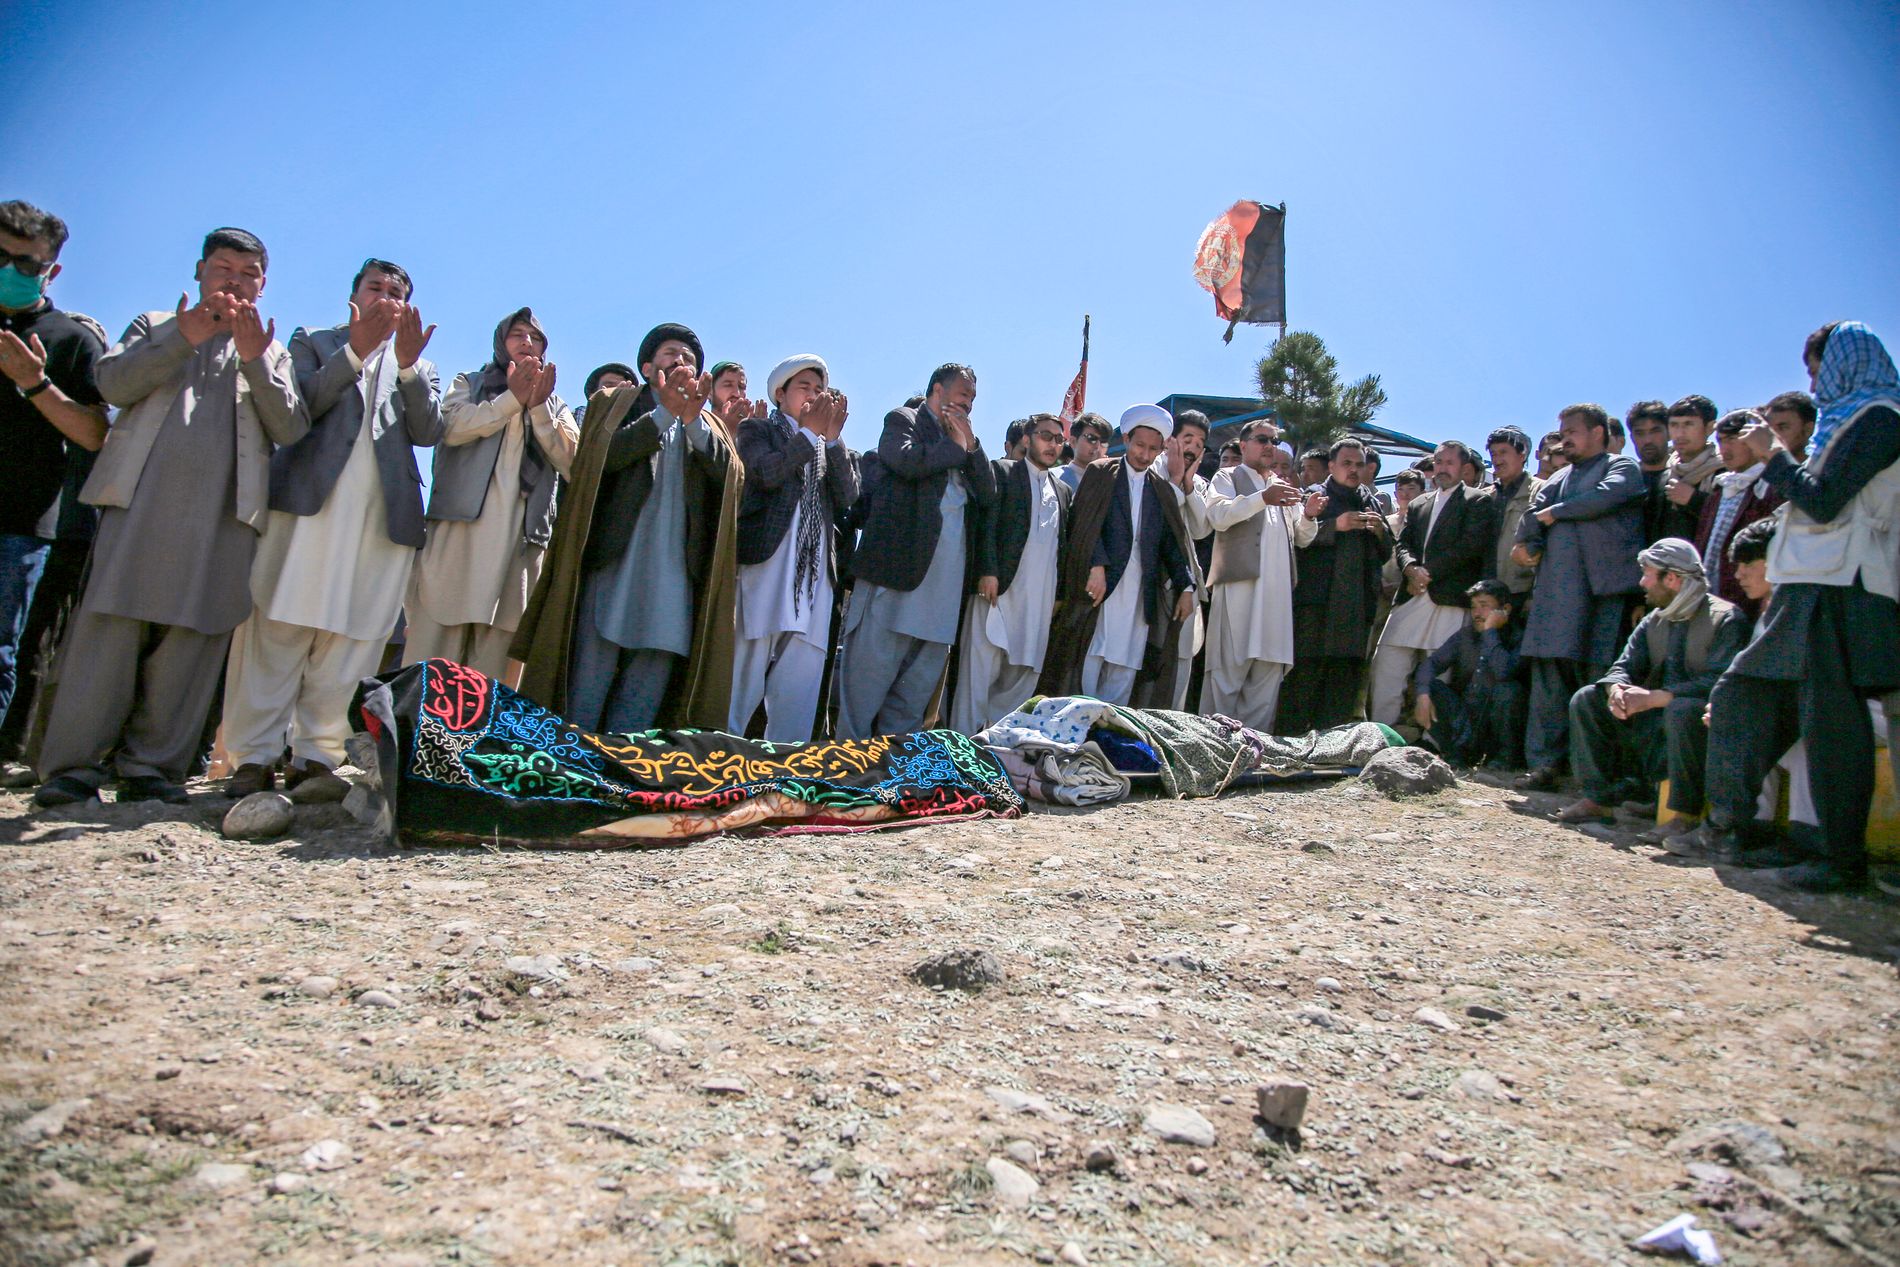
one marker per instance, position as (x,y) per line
(1072,400)
(1241,261)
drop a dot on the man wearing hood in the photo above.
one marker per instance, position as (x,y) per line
(913,561)
(506,439)
(615,638)
(1642,722)
(344,527)
(1336,597)
(1126,586)
(184,479)
(1740,499)
(1830,637)
(799,479)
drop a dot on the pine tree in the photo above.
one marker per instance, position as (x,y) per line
(1299,378)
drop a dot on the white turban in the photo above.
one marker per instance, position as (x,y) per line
(782,373)
(1146,416)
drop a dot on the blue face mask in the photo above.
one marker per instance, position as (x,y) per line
(18,290)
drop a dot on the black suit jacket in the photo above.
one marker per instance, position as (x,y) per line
(1464,541)
(1005,528)
(916,457)
(775,465)
(627,478)
(1162,556)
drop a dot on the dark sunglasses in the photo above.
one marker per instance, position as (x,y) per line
(25,265)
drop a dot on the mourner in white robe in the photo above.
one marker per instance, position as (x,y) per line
(1416,628)
(1004,641)
(1250,630)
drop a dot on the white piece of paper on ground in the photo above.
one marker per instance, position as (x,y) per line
(1681,1235)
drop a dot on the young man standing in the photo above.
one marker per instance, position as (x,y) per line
(1693,465)
(49,410)
(1258,523)
(184,480)
(1649,431)
(344,526)
(1742,497)
(1791,416)
(1018,556)
(1089,436)
(1512,491)
(1180,465)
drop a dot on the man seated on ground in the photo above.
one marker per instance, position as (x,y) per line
(1643,720)
(1468,693)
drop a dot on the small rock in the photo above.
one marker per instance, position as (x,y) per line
(1053,862)
(1479,1012)
(1015,1186)
(327,1154)
(637,964)
(1072,1254)
(1456,1161)
(487,1011)
(322,789)
(540,969)
(1329,985)
(1481,1084)
(317,987)
(259,816)
(221,1174)
(1101,1159)
(1317,846)
(665,1040)
(592,1071)
(1014,1101)
(1196,1166)
(140,1252)
(723,1086)
(965,969)
(1407,772)
(1178,1124)
(1386,838)
(720,911)
(165,1073)
(377,998)
(1179,961)
(288,1182)
(48,1122)
(1283,1104)
(1021,1151)
(1433,1017)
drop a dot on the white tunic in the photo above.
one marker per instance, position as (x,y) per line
(1419,624)
(1253,620)
(1121,625)
(337,570)
(765,589)
(1018,621)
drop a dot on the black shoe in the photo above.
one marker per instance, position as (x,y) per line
(149,787)
(1771,856)
(1544,779)
(1821,877)
(64,790)
(1716,844)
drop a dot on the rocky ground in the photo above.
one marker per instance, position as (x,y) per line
(1523,1044)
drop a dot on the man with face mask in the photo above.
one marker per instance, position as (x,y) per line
(50,413)
(184,480)
(506,439)
(1126,585)
(631,625)
(1018,554)
(344,526)
(800,479)
(1336,596)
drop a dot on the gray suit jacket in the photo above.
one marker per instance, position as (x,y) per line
(408,413)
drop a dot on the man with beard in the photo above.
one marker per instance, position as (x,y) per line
(633,617)
(1581,533)
(1512,490)
(184,480)
(799,479)
(1447,541)
(1018,556)
(1336,597)
(344,526)
(913,560)
(1642,721)
(1649,432)
(1116,626)
(506,441)
(1256,515)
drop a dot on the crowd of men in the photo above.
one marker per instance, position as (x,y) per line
(226,557)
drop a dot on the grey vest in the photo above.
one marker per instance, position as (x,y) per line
(1237,549)
(463,472)
(1701,635)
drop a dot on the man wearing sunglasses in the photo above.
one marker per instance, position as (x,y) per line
(50,412)
(344,527)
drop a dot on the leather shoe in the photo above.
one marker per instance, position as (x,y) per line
(149,787)
(1716,844)
(1770,857)
(1543,779)
(64,790)
(249,778)
(1820,877)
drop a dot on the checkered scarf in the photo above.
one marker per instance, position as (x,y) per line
(1855,372)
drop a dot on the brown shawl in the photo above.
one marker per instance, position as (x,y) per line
(700,694)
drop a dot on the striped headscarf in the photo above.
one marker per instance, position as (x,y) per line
(1855,372)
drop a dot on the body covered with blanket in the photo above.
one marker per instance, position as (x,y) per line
(462,758)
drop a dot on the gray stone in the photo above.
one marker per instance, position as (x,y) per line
(1072,1254)
(723,1086)
(221,1174)
(1022,1152)
(965,969)
(1481,1084)
(327,788)
(288,1182)
(662,1039)
(1407,772)
(1744,1144)
(48,1122)
(1479,1012)
(1436,1019)
(377,998)
(1101,1159)
(1282,1104)
(1329,985)
(259,816)
(1015,1187)
(326,1154)
(317,987)
(636,965)
(539,969)
(1178,1124)
(1014,1101)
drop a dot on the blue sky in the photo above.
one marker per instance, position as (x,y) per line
(1499,208)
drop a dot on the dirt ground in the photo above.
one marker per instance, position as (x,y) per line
(324,1050)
